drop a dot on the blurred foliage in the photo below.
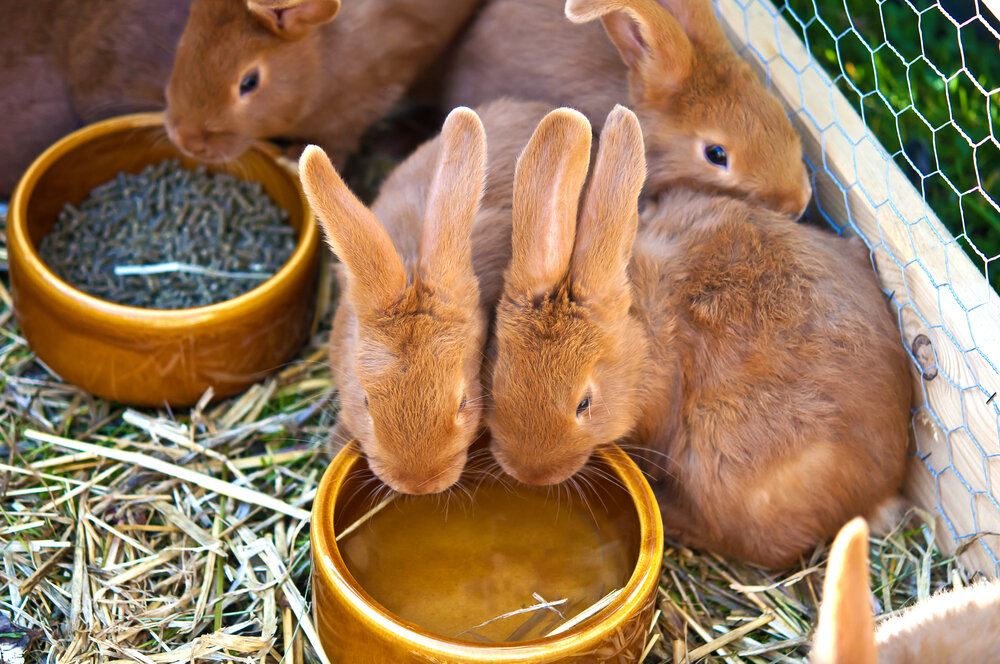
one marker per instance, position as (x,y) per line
(926,78)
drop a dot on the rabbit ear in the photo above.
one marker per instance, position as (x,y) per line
(651,41)
(547,182)
(375,270)
(846,632)
(610,213)
(698,18)
(453,202)
(291,20)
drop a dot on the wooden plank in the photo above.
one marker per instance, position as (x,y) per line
(940,292)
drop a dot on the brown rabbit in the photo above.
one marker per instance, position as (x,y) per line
(65,63)
(957,626)
(420,278)
(252,69)
(708,120)
(758,357)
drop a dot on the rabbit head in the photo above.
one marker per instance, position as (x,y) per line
(708,120)
(409,345)
(243,71)
(567,352)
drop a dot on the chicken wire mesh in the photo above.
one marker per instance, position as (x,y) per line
(898,103)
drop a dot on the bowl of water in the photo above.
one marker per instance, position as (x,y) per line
(147,278)
(498,572)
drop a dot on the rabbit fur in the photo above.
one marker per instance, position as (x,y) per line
(420,276)
(668,60)
(752,362)
(955,626)
(321,73)
(64,64)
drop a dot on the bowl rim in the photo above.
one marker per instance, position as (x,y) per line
(328,561)
(82,303)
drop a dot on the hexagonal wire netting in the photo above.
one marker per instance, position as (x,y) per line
(899,107)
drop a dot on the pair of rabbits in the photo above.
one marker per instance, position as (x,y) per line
(230,72)
(958,626)
(752,361)
(313,71)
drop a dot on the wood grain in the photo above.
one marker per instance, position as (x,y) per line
(938,290)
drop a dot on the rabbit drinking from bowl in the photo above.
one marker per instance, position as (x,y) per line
(753,362)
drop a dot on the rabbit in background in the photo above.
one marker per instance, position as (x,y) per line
(421,272)
(308,71)
(754,364)
(956,626)
(707,119)
(64,64)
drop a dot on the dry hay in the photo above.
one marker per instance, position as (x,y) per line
(192,545)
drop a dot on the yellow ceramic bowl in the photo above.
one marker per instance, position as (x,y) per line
(147,356)
(354,628)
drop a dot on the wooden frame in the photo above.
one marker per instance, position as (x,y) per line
(939,291)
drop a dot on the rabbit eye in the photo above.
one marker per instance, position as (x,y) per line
(366,403)
(249,83)
(583,406)
(717,155)
(461,406)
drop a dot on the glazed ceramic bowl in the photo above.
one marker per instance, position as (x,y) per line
(436,582)
(152,357)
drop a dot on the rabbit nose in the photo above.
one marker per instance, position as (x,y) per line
(424,483)
(191,141)
(794,203)
(802,197)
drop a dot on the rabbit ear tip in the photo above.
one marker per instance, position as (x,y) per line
(462,111)
(568,112)
(856,528)
(622,114)
(568,117)
(850,546)
(462,116)
(312,156)
(623,121)
(464,128)
(311,150)
(577,10)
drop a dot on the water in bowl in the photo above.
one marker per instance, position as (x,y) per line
(452,566)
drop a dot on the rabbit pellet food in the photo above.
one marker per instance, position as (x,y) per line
(170,238)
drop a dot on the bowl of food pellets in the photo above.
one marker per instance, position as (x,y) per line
(147,278)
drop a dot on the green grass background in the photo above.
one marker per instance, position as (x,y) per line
(926,78)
